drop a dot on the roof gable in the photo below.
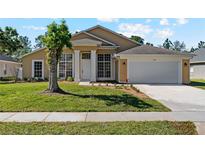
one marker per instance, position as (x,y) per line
(86,35)
(86,42)
(122,41)
(111,31)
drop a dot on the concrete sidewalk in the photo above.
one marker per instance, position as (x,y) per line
(197,117)
(100,116)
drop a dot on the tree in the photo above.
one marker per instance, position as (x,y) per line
(12,44)
(149,44)
(26,46)
(56,37)
(179,46)
(38,42)
(9,41)
(138,39)
(193,49)
(201,44)
(167,44)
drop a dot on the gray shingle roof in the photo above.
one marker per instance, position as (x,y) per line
(200,56)
(7,58)
(145,49)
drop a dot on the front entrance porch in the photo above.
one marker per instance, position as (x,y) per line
(85,66)
(92,66)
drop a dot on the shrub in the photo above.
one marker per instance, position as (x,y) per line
(25,79)
(69,79)
(8,78)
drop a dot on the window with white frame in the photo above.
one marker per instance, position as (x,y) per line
(65,66)
(85,55)
(38,69)
(104,65)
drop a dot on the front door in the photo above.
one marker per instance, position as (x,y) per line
(185,71)
(85,67)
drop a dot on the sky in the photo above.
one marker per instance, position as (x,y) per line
(153,30)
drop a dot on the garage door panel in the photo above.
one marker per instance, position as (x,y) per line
(153,72)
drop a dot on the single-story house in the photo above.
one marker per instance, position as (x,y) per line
(8,66)
(197,64)
(100,54)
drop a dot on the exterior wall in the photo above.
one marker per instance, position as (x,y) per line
(171,61)
(122,42)
(41,55)
(27,63)
(197,71)
(11,68)
(185,71)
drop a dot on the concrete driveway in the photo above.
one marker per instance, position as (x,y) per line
(176,97)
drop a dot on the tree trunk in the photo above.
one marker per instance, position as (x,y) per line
(53,80)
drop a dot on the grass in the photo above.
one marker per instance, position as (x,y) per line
(28,97)
(96,128)
(199,83)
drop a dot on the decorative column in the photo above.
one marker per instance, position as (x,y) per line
(93,65)
(77,65)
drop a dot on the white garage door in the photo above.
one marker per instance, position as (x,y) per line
(152,72)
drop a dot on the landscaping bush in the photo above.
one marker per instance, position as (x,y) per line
(69,79)
(25,79)
(8,78)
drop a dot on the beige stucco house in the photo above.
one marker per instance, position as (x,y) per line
(100,54)
(8,66)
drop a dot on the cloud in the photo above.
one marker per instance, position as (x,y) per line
(129,29)
(164,22)
(182,21)
(108,19)
(31,27)
(148,20)
(165,33)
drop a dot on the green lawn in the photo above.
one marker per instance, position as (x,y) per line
(198,83)
(28,97)
(96,128)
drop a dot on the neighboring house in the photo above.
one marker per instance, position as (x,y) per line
(197,69)
(100,54)
(8,66)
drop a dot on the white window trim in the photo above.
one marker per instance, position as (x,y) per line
(58,67)
(111,69)
(37,60)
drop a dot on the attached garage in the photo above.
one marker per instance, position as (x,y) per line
(147,64)
(153,72)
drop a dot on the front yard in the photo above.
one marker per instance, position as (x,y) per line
(96,128)
(198,83)
(21,97)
